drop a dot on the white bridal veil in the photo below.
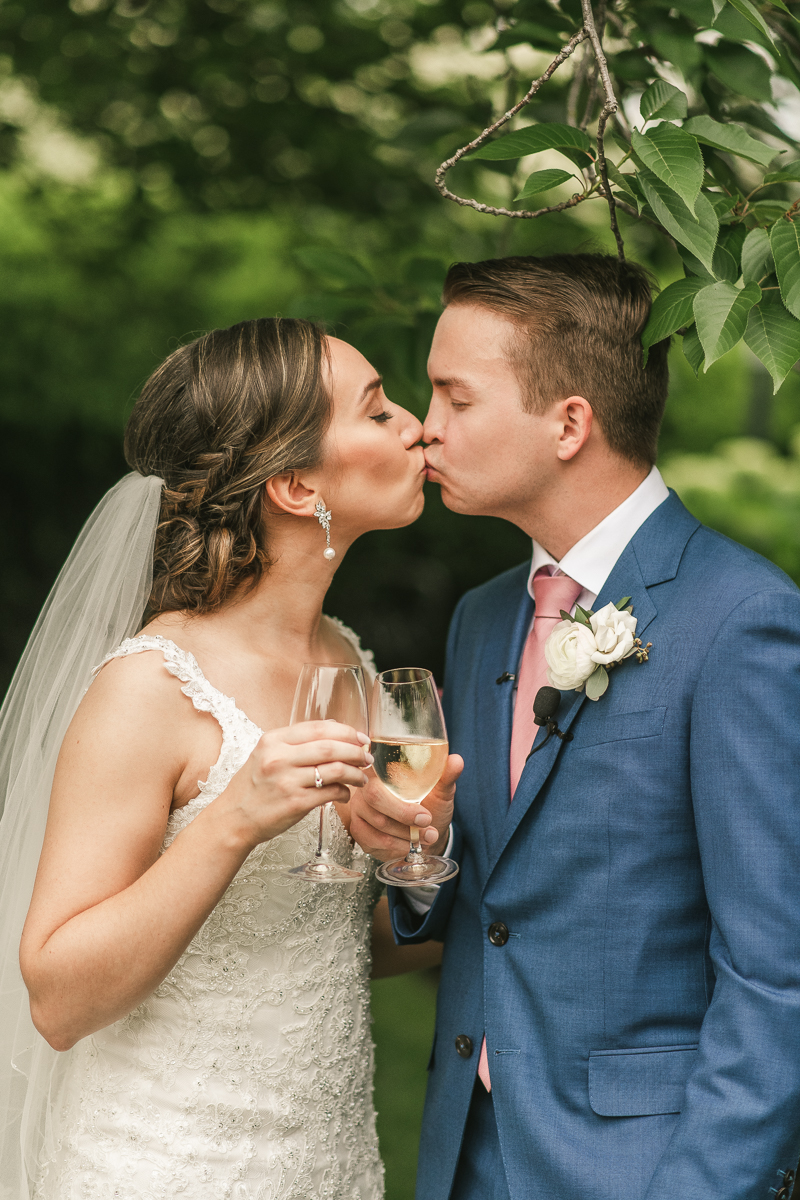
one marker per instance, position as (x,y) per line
(97,601)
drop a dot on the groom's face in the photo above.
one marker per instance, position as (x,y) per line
(487,453)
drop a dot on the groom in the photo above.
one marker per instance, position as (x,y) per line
(619,1011)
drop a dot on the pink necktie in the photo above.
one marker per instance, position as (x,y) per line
(551,593)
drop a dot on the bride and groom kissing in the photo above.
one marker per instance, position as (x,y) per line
(619,1007)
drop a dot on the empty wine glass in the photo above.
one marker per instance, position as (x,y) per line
(329,692)
(410,748)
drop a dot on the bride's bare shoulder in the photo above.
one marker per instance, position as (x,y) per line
(138,680)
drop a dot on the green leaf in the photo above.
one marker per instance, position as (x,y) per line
(773,335)
(718,7)
(542,181)
(698,233)
(625,183)
(721,204)
(661,99)
(621,603)
(597,683)
(672,309)
(693,350)
(740,70)
(720,311)
(779,4)
(785,242)
(339,269)
(532,139)
(693,266)
(633,66)
(788,174)
(756,256)
(731,138)
(732,238)
(724,265)
(673,42)
(565,615)
(585,613)
(753,16)
(768,211)
(674,156)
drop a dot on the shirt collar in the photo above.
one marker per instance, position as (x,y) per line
(592,559)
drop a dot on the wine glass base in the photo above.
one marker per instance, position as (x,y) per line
(322,872)
(432,869)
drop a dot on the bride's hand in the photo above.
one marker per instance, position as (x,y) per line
(379,822)
(277,785)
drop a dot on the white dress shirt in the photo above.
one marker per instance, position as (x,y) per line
(589,563)
(593,558)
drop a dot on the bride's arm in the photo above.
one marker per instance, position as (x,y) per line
(110,915)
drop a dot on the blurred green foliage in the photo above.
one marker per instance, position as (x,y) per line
(749,491)
(402,1014)
(167,167)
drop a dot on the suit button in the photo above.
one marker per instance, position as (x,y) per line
(498,933)
(782,1194)
(788,1178)
(464,1045)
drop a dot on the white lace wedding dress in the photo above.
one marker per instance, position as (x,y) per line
(247,1075)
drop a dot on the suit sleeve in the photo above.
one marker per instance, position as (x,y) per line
(739,1129)
(410,927)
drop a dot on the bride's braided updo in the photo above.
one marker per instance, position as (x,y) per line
(216,420)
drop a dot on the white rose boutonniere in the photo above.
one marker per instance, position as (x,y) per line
(582,649)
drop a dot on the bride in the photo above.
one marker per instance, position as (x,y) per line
(203,1019)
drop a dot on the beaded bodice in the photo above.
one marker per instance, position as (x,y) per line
(247,1074)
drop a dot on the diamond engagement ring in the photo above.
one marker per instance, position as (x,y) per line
(317,778)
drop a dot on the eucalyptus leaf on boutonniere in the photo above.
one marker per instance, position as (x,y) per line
(582,649)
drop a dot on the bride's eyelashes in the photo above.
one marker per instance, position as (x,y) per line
(382,417)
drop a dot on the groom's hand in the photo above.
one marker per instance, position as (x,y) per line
(379,822)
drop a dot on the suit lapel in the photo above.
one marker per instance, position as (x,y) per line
(625,580)
(502,652)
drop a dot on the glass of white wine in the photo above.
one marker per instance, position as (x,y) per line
(329,692)
(410,748)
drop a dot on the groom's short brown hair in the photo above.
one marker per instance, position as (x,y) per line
(580,319)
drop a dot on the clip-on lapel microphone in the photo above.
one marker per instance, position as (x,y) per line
(545,706)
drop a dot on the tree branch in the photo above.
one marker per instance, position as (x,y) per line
(610,106)
(561,57)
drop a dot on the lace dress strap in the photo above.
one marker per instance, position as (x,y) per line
(366,657)
(239,733)
(184,666)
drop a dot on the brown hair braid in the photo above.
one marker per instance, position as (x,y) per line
(216,420)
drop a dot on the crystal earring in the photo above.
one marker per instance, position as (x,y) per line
(324,517)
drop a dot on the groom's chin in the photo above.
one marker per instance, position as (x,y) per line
(457,504)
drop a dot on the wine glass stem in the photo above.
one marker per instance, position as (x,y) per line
(415,852)
(324,832)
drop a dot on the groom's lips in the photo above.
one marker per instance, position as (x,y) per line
(430,469)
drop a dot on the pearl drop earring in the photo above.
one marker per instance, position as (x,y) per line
(324,517)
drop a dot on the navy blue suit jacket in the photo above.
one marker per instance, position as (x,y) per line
(643,1017)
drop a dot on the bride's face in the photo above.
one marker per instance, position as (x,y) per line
(374,466)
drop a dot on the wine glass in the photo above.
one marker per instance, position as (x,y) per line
(410,748)
(329,692)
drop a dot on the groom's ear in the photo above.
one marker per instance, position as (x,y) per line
(287,493)
(575,419)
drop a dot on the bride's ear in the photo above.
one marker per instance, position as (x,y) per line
(287,493)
